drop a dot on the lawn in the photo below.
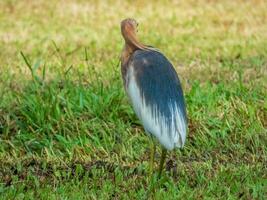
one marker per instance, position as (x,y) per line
(68,131)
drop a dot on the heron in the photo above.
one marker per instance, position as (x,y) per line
(155,92)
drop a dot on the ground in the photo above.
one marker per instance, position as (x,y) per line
(67,130)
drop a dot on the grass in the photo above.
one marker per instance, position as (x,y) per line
(67,130)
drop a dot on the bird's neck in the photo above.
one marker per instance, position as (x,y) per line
(126,53)
(131,44)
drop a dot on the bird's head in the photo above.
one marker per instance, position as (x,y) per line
(128,26)
(128,31)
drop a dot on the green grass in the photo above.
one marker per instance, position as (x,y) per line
(67,130)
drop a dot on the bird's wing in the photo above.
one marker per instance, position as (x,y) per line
(157,97)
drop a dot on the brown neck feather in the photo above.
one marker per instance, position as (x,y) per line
(131,43)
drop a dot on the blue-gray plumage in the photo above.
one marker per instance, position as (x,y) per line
(154,89)
(158,82)
(160,90)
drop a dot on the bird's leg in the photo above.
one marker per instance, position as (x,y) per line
(152,157)
(151,168)
(162,160)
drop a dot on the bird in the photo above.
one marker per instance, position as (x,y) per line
(155,91)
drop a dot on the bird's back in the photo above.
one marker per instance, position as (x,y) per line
(157,97)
